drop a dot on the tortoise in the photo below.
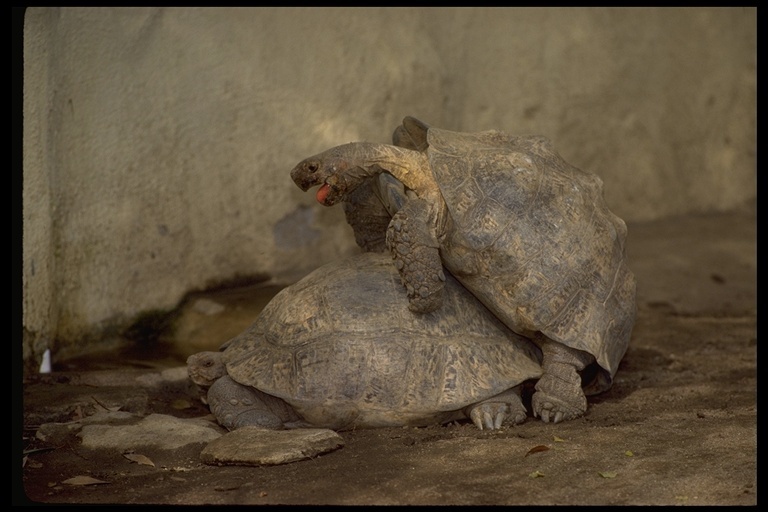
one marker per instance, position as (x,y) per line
(340,349)
(527,233)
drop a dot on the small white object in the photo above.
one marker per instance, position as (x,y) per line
(45,366)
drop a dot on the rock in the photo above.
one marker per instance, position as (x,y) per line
(254,446)
(157,430)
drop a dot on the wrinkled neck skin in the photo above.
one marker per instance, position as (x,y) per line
(412,168)
(409,166)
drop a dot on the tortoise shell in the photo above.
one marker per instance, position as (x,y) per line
(342,348)
(531,236)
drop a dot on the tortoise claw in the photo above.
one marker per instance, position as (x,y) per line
(496,412)
(552,403)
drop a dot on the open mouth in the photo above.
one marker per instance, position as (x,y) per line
(322,193)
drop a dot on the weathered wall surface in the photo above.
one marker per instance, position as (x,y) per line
(158,141)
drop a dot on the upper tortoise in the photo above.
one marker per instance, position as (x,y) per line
(527,233)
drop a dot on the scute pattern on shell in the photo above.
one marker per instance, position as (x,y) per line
(343,339)
(532,238)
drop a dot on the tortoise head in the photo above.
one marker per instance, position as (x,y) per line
(204,368)
(338,171)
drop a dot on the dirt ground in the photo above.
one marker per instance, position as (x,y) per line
(679,427)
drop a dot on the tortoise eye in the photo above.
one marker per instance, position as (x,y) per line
(313,167)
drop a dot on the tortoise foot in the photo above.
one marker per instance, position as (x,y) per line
(426,303)
(559,396)
(504,409)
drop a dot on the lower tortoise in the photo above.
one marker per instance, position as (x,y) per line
(340,349)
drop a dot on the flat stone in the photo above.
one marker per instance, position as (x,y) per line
(156,430)
(254,446)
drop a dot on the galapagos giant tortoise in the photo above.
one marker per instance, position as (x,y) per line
(527,233)
(340,349)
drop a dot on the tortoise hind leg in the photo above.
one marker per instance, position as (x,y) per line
(559,395)
(235,406)
(503,409)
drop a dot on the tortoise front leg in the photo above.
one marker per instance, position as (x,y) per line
(235,406)
(370,207)
(368,217)
(559,395)
(416,256)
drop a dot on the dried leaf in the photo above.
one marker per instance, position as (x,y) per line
(607,474)
(536,474)
(181,404)
(77,414)
(558,439)
(110,409)
(629,453)
(536,449)
(83,480)
(139,459)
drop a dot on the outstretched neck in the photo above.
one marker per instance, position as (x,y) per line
(409,166)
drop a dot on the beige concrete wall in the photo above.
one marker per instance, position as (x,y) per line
(158,141)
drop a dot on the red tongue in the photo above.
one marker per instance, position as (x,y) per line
(322,193)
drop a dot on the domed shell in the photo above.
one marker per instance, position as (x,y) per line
(342,348)
(531,236)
